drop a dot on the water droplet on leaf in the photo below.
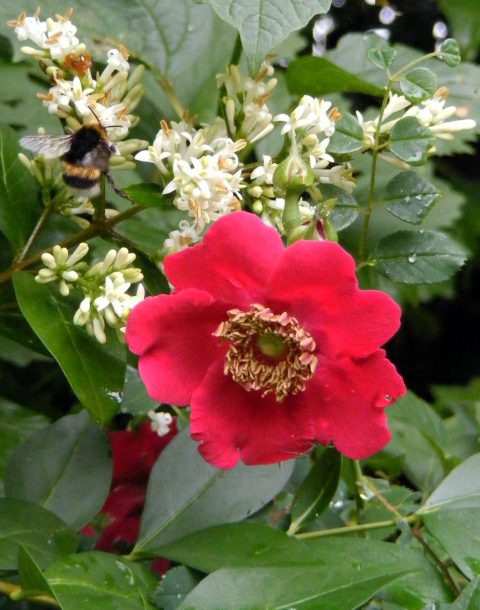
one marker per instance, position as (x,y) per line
(412,258)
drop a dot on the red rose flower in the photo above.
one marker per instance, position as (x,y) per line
(273,348)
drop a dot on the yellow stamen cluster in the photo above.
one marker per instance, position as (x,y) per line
(268,352)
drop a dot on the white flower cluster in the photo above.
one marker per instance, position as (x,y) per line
(248,116)
(105,286)
(202,169)
(76,96)
(431,113)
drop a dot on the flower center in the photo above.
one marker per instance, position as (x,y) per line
(268,352)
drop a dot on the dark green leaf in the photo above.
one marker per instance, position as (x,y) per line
(317,490)
(182,500)
(14,326)
(382,57)
(96,373)
(460,490)
(469,598)
(348,136)
(319,75)
(135,397)
(346,207)
(409,197)
(41,532)
(464,21)
(100,581)
(418,258)
(264,25)
(418,85)
(66,468)
(16,424)
(32,579)
(148,194)
(410,141)
(450,52)
(174,587)
(18,202)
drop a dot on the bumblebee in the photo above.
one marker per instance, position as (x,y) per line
(84,153)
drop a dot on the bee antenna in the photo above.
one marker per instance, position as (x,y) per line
(95,115)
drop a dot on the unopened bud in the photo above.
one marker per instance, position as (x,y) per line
(293,173)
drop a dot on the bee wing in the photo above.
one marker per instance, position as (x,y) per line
(47,145)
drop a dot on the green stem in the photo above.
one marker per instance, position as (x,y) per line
(16,593)
(359,484)
(291,213)
(47,212)
(361,527)
(95,229)
(413,63)
(169,91)
(99,214)
(438,562)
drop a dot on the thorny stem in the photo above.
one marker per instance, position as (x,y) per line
(438,562)
(376,150)
(96,228)
(16,593)
(47,212)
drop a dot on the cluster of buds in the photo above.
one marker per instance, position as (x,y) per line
(248,116)
(105,286)
(76,96)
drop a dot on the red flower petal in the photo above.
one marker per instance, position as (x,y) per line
(172,334)
(233,424)
(136,451)
(233,263)
(350,396)
(315,281)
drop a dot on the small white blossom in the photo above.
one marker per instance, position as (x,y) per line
(160,422)
(181,238)
(310,116)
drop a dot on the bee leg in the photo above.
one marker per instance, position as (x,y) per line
(115,189)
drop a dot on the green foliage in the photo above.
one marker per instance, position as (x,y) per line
(464,21)
(409,196)
(348,136)
(418,85)
(410,141)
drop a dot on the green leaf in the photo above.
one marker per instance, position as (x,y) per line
(469,598)
(18,201)
(460,490)
(318,75)
(41,532)
(66,468)
(135,396)
(182,500)
(348,136)
(450,52)
(32,579)
(382,57)
(264,25)
(148,194)
(16,424)
(464,21)
(418,85)
(96,373)
(174,587)
(409,257)
(409,196)
(410,141)
(317,490)
(100,581)
(346,208)
(418,434)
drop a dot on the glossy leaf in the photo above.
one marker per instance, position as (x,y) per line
(135,397)
(348,136)
(66,468)
(450,52)
(317,490)
(16,424)
(382,57)
(96,373)
(346,208)
(410,140)
(182,500)
(148,194)
(32,579)
(41,532)
(461,489)
(100,581)
(318,75)
(264,25)
(418,85)
(18,202)
(174,587)
(412,257)
(409,197)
